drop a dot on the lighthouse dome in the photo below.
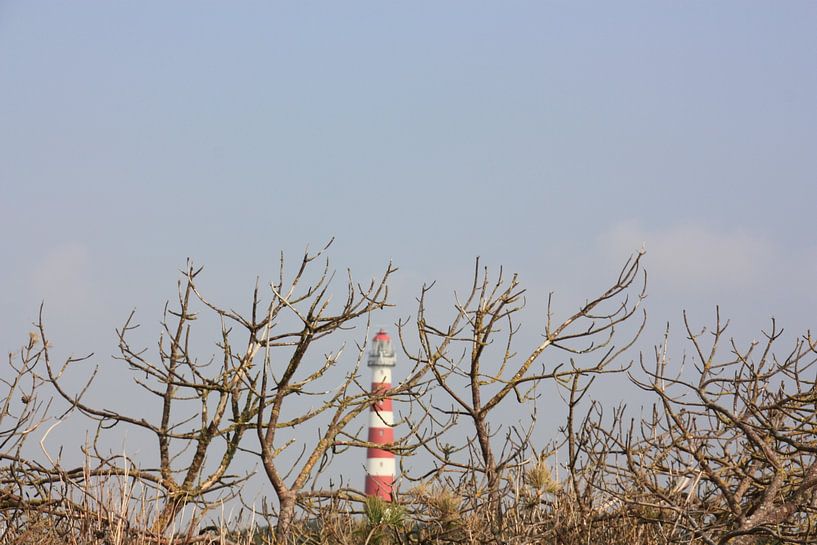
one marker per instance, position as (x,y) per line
(382,352)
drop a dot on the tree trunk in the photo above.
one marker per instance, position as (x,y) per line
(491,475)
(168,514)
(286,514)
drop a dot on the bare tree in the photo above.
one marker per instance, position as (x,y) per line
(207,405)
(339,406)
(475,380)
(284,330)
(205,408)
(727,454)
(24,484)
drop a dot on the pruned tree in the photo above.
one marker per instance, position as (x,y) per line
(476,367)
(289,371)
(728,453)
(204,409)
(208,404)
(25,484)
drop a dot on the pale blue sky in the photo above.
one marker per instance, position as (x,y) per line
(552,137)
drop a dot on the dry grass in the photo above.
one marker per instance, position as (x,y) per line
(429,514)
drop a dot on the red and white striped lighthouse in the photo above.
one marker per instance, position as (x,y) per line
(380,466)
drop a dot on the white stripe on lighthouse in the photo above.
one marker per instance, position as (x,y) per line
(380,467)
(381,419)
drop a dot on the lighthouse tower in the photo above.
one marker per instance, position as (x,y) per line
(380,465)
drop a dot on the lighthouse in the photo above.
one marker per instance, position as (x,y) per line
(380,466)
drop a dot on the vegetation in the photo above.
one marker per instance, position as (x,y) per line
(726,454)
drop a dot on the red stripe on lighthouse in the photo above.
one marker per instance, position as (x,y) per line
(372,452)
(381,436)
(384,405)
(379,486)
